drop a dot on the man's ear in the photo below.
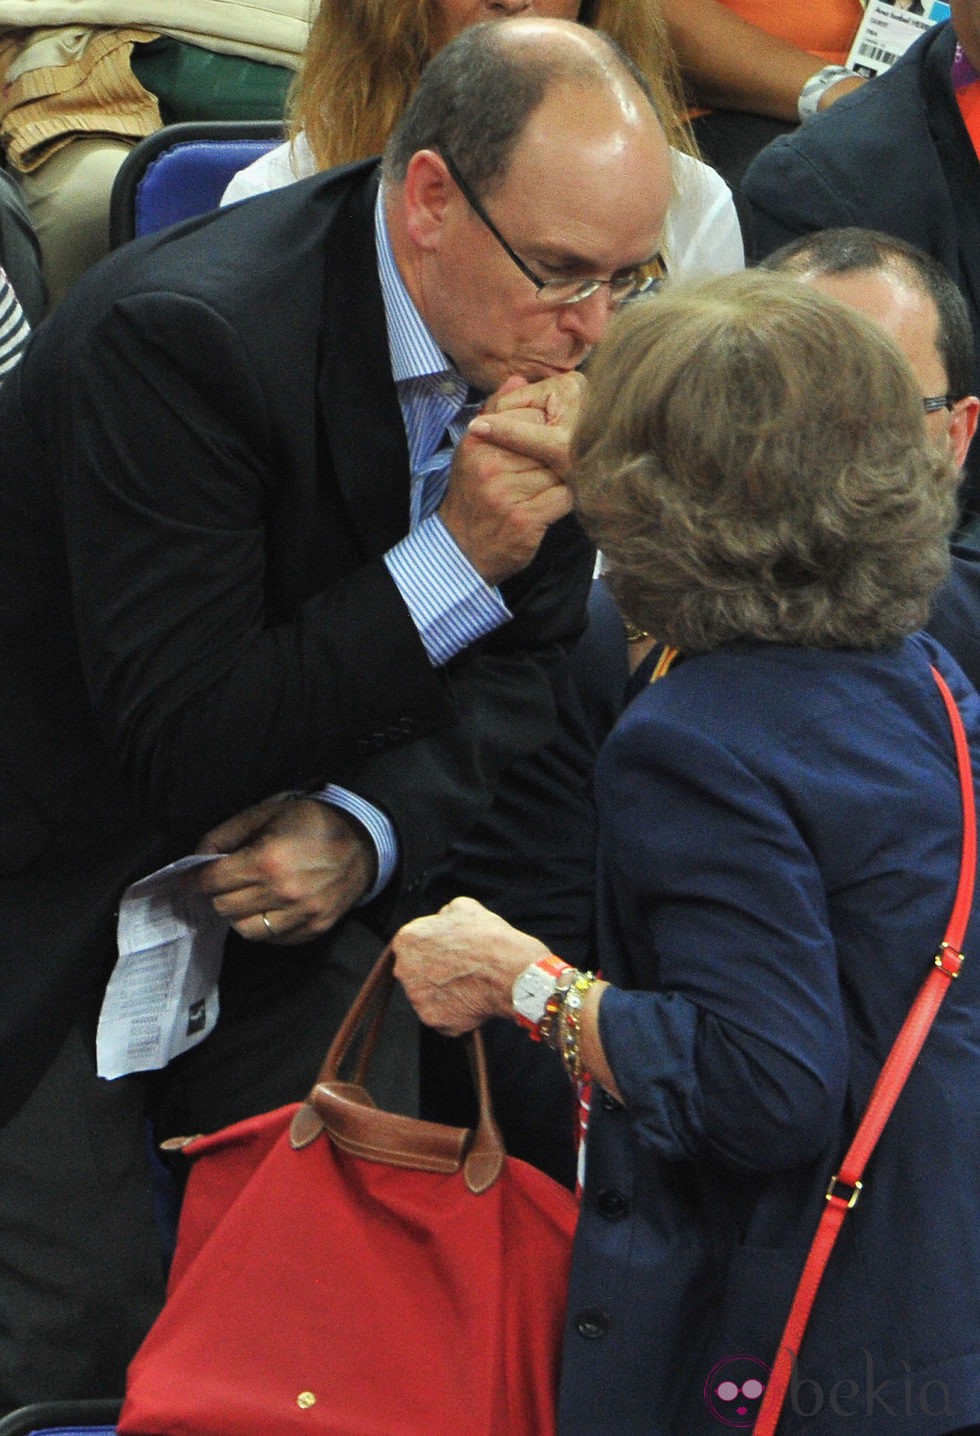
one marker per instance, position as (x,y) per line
(963,425)
(428,194)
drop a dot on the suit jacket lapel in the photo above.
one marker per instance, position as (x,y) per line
(360,414)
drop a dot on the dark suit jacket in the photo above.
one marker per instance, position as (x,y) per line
(780,836)
(894,156)
(202,462)
(955,615)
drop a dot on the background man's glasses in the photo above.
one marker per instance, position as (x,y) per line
(561,291)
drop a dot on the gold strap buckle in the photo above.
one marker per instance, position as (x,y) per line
(850,1193)
(949,960)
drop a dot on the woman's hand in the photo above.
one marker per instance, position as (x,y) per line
(458,966)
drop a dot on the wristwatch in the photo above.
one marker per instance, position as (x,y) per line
(534,986)
(816,87)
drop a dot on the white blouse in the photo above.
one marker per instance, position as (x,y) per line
(701,233)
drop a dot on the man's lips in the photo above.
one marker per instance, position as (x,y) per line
(535,369)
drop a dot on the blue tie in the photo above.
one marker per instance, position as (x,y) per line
(433,473)
(434,476)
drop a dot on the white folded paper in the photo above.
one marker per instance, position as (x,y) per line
(162,997)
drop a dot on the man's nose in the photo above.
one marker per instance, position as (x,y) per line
(589,318)
(510,7)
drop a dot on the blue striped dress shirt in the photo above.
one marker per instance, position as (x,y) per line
(450,603)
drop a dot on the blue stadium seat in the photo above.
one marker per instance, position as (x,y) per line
(63,1418)
(182,170)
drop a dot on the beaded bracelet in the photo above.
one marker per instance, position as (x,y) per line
(559,1027)
(548,1026)
(570,1019)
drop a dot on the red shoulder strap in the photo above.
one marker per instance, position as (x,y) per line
(845,1187)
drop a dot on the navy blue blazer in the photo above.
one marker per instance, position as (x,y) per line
(780,847)
(955,615)
(895,156)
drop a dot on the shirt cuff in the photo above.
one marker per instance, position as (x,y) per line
(450,604)
(379,829)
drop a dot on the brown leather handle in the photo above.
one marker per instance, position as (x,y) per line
(346,1112)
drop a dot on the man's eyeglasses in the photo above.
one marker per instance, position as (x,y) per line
(935,402)
(561,291)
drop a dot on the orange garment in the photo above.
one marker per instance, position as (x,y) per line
(825,27)
(968,99)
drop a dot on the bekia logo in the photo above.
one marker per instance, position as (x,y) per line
(735,1386)
(733,1391)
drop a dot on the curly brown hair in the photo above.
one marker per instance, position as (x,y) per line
(753,462)
(363,60)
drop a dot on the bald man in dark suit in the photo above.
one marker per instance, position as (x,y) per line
(251,544)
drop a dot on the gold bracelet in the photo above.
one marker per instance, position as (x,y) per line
(549,1025)
(571,1032)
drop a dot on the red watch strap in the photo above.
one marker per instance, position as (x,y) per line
(554,967)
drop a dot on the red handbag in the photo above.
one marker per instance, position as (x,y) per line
(845,1185)
(344,1270)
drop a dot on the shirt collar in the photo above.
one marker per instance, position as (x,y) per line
(414,352)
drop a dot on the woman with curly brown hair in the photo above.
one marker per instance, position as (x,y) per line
(781,828)
(363,61)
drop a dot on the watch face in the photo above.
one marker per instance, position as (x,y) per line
(531,991)
(526,986)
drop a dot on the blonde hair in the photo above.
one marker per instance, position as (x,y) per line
(753,461)
(364,58)
(639,29)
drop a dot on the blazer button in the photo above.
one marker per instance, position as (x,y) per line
(611,1204)
(593,1323)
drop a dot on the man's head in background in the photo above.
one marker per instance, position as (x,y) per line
(914,300)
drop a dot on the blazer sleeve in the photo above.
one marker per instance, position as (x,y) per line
(731,1043)
(209,691)
(954,618)
(870,160)
(789,193)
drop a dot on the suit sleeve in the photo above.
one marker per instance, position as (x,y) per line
(788,193)
(209,697)
(954,618)
(736,1050)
